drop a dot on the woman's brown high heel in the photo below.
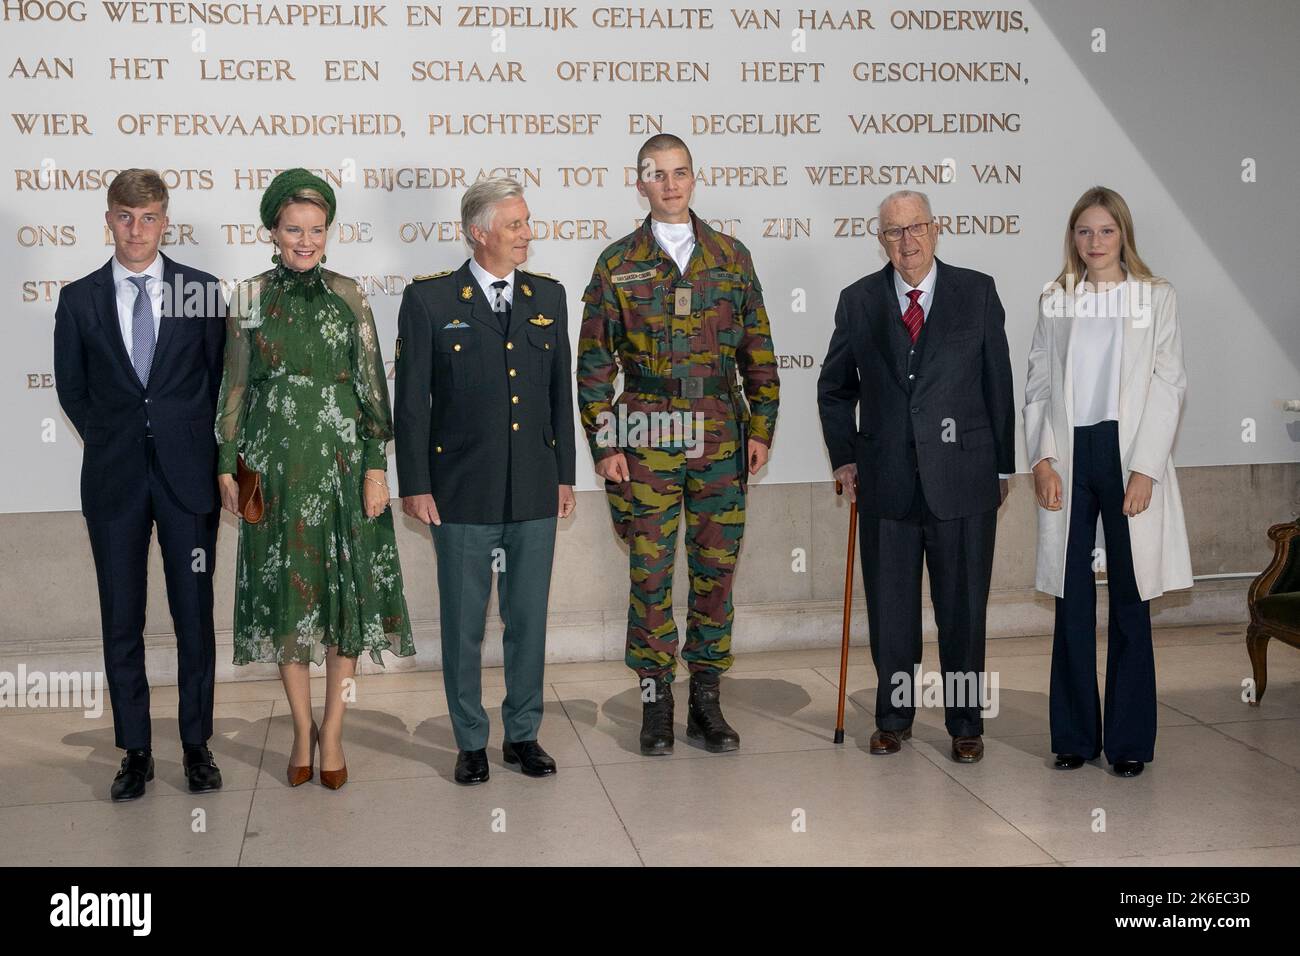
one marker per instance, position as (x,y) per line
(334,778)
(300,775)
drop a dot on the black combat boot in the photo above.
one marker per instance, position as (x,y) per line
(704,718)
(657,718)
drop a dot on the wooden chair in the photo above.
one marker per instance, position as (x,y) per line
(1274,601)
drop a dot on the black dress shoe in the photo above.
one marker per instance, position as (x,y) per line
(657,720)
(1128,768)
(471,766)
(1068,762)
(704,720)
(532,759)
(137,769)
(200,771)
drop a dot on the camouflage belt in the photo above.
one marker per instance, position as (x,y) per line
(695,387)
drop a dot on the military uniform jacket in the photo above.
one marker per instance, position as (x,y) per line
(629,322)
(483,420)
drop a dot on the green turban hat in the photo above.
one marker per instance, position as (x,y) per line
(287,184)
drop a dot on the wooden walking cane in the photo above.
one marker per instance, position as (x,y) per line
(848,607)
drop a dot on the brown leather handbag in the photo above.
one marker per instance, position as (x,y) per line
(251,505)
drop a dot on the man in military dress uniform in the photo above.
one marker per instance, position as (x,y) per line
(676,305)
(485,457)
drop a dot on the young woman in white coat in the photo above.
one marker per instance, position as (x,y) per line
(1102,402)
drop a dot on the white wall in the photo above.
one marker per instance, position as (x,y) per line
(1240,355)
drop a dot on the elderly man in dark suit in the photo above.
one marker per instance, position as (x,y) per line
(919,349)
(485,457)
(137,364)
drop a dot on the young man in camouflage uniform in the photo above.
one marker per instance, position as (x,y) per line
(676,305)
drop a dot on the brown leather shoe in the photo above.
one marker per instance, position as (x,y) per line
(334,778)
(967,749)
(889,741)
(300,775)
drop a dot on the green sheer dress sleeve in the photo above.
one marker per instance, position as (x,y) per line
(375,424)
(240,318)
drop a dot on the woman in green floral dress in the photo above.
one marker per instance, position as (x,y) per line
(304,399)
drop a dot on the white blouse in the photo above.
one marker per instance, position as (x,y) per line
(1096,354)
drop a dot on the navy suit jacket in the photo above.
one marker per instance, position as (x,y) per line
(947,414)
(103,398)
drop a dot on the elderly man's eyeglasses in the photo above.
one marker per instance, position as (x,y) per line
(916,230)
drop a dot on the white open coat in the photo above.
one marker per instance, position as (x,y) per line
(1150,398)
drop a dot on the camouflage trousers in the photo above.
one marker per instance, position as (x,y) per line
(647,511)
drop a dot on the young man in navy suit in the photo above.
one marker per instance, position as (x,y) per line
(137,363)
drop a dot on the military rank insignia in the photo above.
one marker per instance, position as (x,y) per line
(541,320)
(526,289)
(397,352)
(467,293)
(430,275)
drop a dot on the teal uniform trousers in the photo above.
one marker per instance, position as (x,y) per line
(521,552)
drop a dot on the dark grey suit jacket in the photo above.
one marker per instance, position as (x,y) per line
(484,417)
(943,409)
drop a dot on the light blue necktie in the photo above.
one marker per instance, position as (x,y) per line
(142,332)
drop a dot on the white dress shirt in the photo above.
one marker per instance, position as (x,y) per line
(675,238)
(485,280)
(1096,353)
(125,293)
(924,300)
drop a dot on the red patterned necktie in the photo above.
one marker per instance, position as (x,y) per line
(914,317)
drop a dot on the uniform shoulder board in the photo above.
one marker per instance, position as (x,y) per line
(431,275)
(541,275)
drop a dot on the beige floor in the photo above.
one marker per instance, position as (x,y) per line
(1224,788)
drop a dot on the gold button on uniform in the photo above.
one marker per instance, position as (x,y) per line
(515,427)
(510,345)
(456,347)
(514,399)
(439,448)
(512,373)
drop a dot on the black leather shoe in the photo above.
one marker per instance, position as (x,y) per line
(137,770)
(1068,762)
(1128,768)
(532,759)
(200,771)
(471,766)
(657,719)
(704,720)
